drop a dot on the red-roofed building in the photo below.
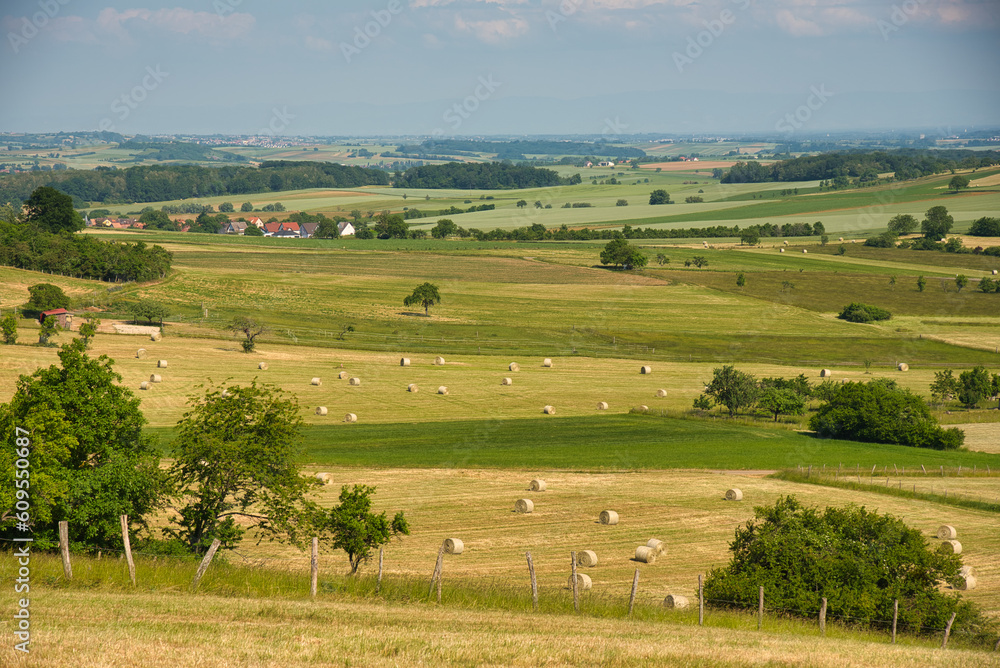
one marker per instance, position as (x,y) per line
(62,315)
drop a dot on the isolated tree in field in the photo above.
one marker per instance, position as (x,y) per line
(662,259)
(49,210)
(149,310)
(961,281)
(974,385)
(246,207)
(48,328)
(8,328)
(351,525)
(445,227)
(88,330)
(937,223)
(619,253)
(621,202)
(945,386)
(425,295)
(958,182)
(521,203)
(659,196)
(45,297)
(249,328)
(90,461)
(733,389)
(235,458)
(902,224)
(921,283)
(226,207)
(699,261)
(741,280)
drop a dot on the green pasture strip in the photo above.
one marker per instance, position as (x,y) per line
(946,262)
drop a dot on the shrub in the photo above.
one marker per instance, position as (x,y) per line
(884,240)
(858,312)
(985,227)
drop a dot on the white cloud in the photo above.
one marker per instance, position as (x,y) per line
(113,23)
(318,44)
(495,31)
(796,26)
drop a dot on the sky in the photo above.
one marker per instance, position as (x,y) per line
(478,67)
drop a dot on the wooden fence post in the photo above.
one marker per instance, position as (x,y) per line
(440,575)
(947,630)
(635,587)
(64,548)
(204,563)
(128,549)
(701,601)
(822,617)
(437,569)
(314,567)
(378,585)
(576,597)
(534,582)
(760,609)
(895,618)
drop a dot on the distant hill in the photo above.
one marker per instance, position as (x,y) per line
(179,150)
(516,150)
(480,176)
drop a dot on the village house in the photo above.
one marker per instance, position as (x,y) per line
(233,227)
(345,229)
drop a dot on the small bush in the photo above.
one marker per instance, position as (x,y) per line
(858,312)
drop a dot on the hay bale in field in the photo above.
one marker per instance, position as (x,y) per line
(514,366)
(825,373)
(734,494)
(804,250)
(316,381)
(454,546)
(140,354)
(507,381)
(162,364)
(657,546)
(781,250)
(155,378)
(439,361)
(524,506)
(536,485)
(226,394)
(350,417)
(586,558)
(947,532)
(321,410)
(355,382)
(646,370)
(661,393)
(994,272)
(262,366)
(646,555)
(903,366)
(547,363)
(155,337)
(841,238)
(583,582)
(342,375)
(412,387)
(966,583)
(784,243)
(965,571)
(602,405)
(675,601)
(608,517)
(549,410)
(144,385)
(442,390)
(404,361)
(324,478)
(951,547)
(644,409)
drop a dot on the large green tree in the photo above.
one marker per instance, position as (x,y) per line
(902,224)
(45,297)
(937,223)
(619,253)
(974,385)
(8,328)
(659,196)
(49,210)
(425,294)
(958,182)
(733,389)
(90,462)
(351,525)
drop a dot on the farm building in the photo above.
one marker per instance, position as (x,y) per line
(256,221)
(606,163)
(63,316)
(345,229)
(306,230)
(233,227)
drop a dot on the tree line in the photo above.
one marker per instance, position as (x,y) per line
(480,176)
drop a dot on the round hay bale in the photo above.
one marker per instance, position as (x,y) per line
(549,410)
(412,387)
(404,361)
(321,410)
(507,381)
(155,337)
(350,417)
(342,375)
(226,394)
(442,390)
(646,555)
(675,601)
(785,243)
(140,354)
(825,373)
(947,532)
(316,381)
(951,547)
(155,378)
(644,408)
(586,558)
(602,405)
(262,366)
(657,546)
(324,478)
(965,571)
(781,250)
(536,485)
(355,382)
(454,546)
(804,250)
(903,366)
(524,506)
(994,272)
(439,361)
(583,582)
(734,494)
(646,370)
(661,393)
(144,385)
(608,517)
(162,364)
(966,583)
(547,363)
(841,238)
(514,366)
